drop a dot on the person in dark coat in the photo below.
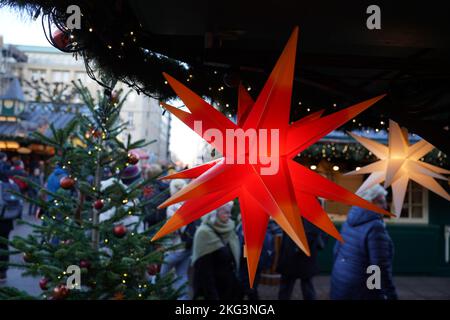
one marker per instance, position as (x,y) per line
(33,190)
(265,262)
(366,243)
(215,257)
(5,228)
(294,264)
(5,168)
(7,223)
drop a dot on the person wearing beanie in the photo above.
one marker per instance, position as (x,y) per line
(130,174)
(6,224)
(366,243)
(216,256)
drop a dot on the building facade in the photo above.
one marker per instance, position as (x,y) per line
(146,120)
(143,114)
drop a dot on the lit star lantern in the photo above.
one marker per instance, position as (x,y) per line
(398,163)
(285,194)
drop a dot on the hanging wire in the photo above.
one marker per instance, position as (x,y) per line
(49,19)
(91,73)
(52,18)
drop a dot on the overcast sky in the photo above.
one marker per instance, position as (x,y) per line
(18,28)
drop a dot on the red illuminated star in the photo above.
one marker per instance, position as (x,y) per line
(285,196)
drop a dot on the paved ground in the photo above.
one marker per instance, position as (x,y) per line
(410,288)
(15,278)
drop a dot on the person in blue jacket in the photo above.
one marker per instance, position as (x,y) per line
(366,243)
(53,181)
(53,185)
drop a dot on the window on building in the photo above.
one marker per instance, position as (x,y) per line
(37,74)
(415,206)
(82,76)
(60,76)
(131,97)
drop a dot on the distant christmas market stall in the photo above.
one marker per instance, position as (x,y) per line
(20,118)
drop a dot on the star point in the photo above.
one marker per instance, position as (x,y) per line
(286,195)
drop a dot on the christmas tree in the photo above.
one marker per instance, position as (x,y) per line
(92,217)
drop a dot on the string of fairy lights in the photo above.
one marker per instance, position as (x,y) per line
(124,277)
(220,94)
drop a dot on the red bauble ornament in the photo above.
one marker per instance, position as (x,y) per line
(153,269)
(120,231)
(60,292)
(97,133)
(43,284)
(119,296)
(61,39)
(85,264)
(27,257)
(132,158)
(148,191)
(98,204)
(114,97)
(67,242)
(66,183)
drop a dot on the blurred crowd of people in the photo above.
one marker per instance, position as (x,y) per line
(206,256)
(209,263)
(11,205)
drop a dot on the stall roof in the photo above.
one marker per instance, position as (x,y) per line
(38,117)
(14,91)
